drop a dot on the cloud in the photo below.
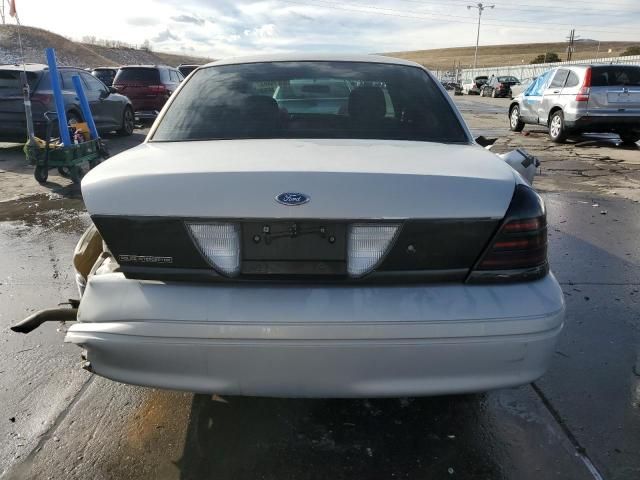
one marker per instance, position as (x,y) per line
(164,37)
(188,19)
(221,28)
(264,31)
(143,21)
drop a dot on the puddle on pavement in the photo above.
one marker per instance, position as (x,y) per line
(45,210)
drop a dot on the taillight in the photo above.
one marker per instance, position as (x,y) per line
(585,89)
(367,243)
(500,85)
(44,98)
(518,251)
(157,88)
(220,245)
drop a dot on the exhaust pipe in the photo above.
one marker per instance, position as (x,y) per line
(48,315)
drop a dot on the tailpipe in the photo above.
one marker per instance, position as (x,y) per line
(48,315)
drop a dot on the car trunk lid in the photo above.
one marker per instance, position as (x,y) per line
(430,208)
(344,179)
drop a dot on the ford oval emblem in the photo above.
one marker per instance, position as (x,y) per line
(292,198)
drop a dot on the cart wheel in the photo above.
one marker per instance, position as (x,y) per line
(76,174)
(103,149)
(64,172)
(41,173)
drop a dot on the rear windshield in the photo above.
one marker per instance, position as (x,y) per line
(615,75)
(142,75)
(10,84)
(311,100)
(507,79)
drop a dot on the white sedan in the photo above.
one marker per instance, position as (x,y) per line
(367,249)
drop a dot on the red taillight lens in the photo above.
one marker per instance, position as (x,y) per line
(518,251)
(44,98)
(500,85)
(157,88)
(585,90)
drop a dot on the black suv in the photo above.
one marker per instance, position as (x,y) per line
(186,69)
(105,74)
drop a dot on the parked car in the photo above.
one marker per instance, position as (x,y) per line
(186,69)
(111,111)
(582,98)
(473,87)
(105,74)
(452,86)
(148,87)
(498,86)
(375,251)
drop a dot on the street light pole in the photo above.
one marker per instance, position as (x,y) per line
(480,8)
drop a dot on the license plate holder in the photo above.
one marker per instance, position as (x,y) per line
(294,248)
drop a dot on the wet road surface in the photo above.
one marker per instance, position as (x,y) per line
(69,424)
(59,421)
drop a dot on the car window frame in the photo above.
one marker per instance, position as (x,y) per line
(469,138)
(103,88)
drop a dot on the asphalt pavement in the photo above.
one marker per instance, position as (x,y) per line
(580,421)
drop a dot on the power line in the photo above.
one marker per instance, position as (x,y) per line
(534,8)
(451,18)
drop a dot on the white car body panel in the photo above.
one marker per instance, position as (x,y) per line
(319,341)
(345,179)
(310,337)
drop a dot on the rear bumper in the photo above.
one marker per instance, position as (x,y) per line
(319,341)
(146,114)
(603,123)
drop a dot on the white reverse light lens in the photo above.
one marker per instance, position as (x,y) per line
(220,243)
(366,244)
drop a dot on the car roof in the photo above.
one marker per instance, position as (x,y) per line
(29,67)
(38,67)
(313,57)
(146,66)
(104,68)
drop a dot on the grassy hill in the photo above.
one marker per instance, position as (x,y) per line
(68,52)
(35,40)
(514,54)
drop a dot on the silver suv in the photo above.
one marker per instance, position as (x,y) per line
(582,98)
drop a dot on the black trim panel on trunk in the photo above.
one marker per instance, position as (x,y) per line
(425,251)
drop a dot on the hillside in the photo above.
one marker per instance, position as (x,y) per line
(68,52)
(496,55)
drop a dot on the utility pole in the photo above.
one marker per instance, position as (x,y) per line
(480,8)
(571,48)
(2,11)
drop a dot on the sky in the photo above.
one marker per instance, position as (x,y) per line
(223,28)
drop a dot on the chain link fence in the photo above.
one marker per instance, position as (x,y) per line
(525,72)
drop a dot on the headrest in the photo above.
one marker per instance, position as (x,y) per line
(367,103)
(260,106)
